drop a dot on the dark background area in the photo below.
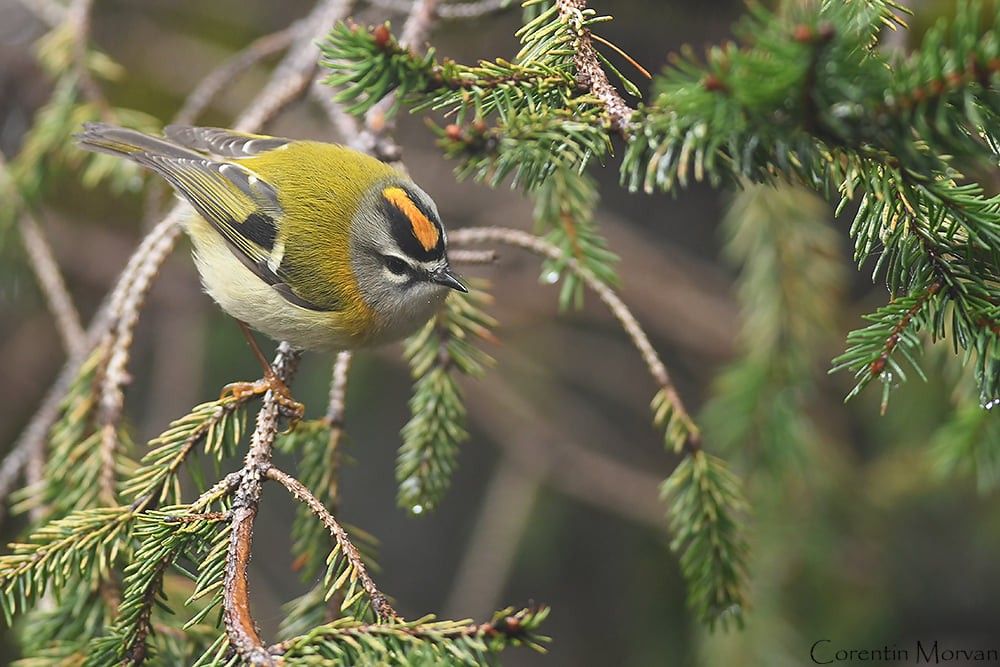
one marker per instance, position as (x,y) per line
(867,550)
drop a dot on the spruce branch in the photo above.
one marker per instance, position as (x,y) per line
(220,537)
(368,64)
(824,118)
(564,215)
(706,507)
(164,537)
(345,563)
(705,502)
(529,147)
(216,427)
(428,455)
(240,626)
(669,410)
(72,440)
(33,437)
(84,543)
(380,118)
(424,641)
(893,330)
(319,444)
(589,70)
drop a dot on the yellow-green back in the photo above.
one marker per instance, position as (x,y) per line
(320,186)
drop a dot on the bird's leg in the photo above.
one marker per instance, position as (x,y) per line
(270,382)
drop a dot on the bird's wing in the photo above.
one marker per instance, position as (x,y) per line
(237,202)
(222,142)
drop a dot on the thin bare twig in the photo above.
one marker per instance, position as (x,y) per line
(521,239)
(472,256)
(214,83)
(50,279)
(240,626)
(295,73)
(380,604)
(229,71)
(451,10)
(418,24)
(112,397)
(44,266)
(338,389)
(589,72)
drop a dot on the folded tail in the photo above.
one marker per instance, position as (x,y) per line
(120,141)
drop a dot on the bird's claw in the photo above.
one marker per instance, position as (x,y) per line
(289,408)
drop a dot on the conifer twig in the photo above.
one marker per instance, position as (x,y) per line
(380,604)
(589,72)
(532,243)
(240,626)
(112,400)
(33,436)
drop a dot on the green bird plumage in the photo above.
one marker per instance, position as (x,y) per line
(306,241)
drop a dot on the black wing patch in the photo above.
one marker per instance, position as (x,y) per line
(259,228)
(236,202)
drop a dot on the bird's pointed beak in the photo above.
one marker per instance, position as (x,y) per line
(447,278)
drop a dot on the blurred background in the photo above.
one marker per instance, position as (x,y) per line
(860,540)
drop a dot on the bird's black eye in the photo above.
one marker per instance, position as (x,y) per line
(395,265)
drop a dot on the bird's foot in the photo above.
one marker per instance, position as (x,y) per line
(289,408)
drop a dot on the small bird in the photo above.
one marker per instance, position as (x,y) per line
(309,242)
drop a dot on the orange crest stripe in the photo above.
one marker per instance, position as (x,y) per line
(425,231)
